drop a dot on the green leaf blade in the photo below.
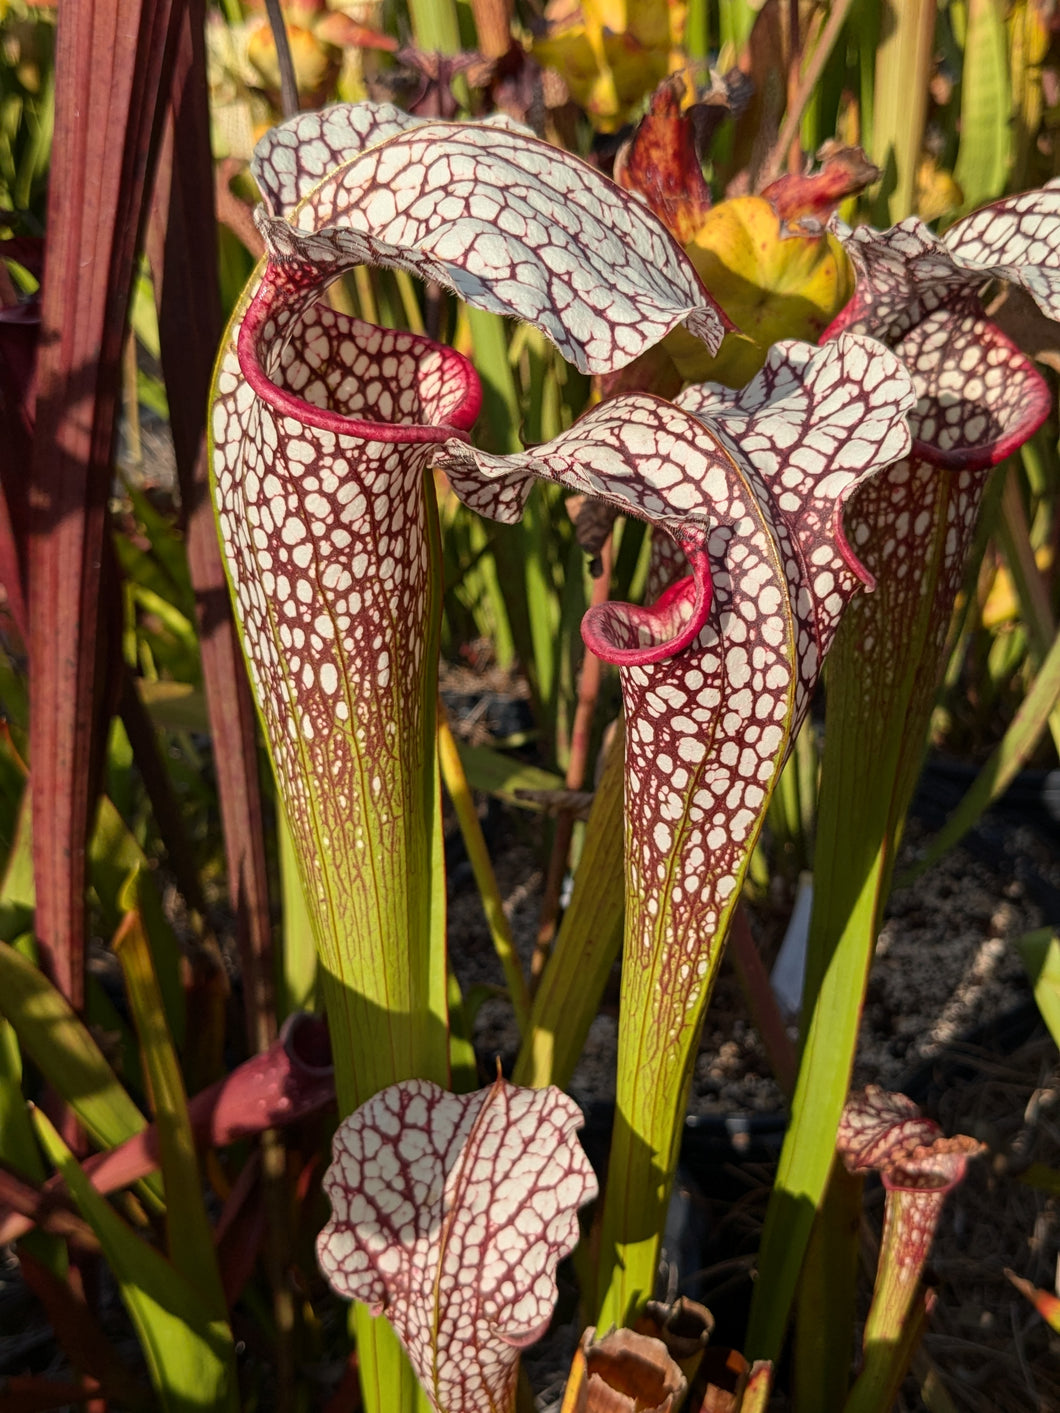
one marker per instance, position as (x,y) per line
(191,1246)
(190,1354)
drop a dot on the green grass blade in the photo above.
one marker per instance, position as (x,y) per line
(506,570)
(546,638)
(435,25)
(827,1300)
(189,1355)
(736,20)
(494,773)
(493,905)
(115,854)
(1028,726)
(1041,956)
(297,980)
(589,940)
(171,618)
(1028,31)
(904,59)
(18,1148)
(983,156)
(809,1147)
(65,1053)
(17,892)
(437,965)
(190,1239)
(463,1066)
(174,706)
(436,30)
(697,30)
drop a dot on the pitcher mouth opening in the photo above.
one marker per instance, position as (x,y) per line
(426,392)
(628,635)
(305,1038)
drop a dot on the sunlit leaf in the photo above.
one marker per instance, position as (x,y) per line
(587,944)
(985,145)
(190,1355)
(190,1238)
(63,1050)
(510,224)
(510,779)
(1040,951)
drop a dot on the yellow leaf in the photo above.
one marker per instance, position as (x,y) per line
(936,191)
(1002,603)
(315,63)
(772,283)
(608,57)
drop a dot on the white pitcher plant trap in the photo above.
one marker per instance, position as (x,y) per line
(323,429)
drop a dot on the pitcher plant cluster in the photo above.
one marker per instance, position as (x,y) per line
(844,473)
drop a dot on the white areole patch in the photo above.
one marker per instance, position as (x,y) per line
(456,1226)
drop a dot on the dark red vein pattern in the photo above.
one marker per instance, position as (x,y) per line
(886,1133)
(978,399)
(292,159)
(507,222)
(708,731)
(321,431)
(750,490)
(906,272)
(322,428)
(318,462)
(450,1214)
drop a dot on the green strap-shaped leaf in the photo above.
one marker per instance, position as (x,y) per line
(190,1239)
(494,773)
(1041,956)
(904,55)
(115,855)
(1017,745)
(17,1146)
(297,978)
(983,156)
(189,1353)
(61,1047)
(174,706)
(17,894)
(475,843)
(588,942)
